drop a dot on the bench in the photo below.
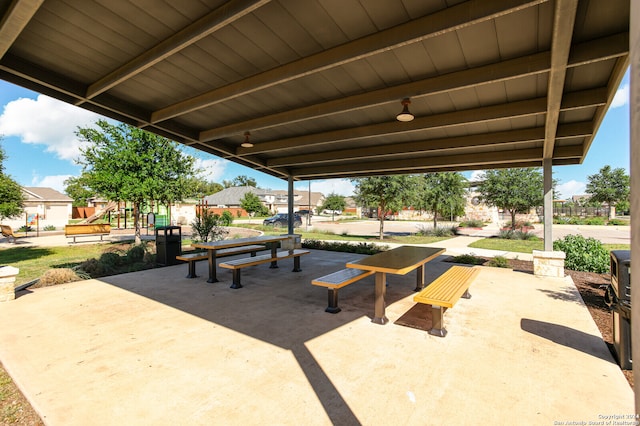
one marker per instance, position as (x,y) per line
(444,292)
(194,257)
(8,233)
(237,264)
(87,230)
(337,280)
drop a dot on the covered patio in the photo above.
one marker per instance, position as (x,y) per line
(156,348)
(308,90)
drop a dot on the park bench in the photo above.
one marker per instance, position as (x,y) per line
(194,257)
(236,265)
(87,230)
(8,233)
(337,280)
(444,292)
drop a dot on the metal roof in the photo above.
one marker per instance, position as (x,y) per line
(318,83)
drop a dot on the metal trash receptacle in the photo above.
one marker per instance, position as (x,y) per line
(618,298)
(168,245)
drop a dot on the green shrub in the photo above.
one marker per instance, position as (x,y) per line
(583,254)
(49,228)
(110,258)
(226,219)
(517,235)
(360,248)
(135,253)
(440,231)
(474,223)
(468,259)
(618,222)
(24,228)
(594,221)
(499,262)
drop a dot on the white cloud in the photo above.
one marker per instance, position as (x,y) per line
(476,175)
(621,97)
(212,169)
(342,187)
(46,121)
(568,189)
(55,182)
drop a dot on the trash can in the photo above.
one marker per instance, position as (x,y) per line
(168,245)
(618,298)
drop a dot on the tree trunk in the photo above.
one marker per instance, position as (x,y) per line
(381,219)
(136,222)
(435,219)
(513,220)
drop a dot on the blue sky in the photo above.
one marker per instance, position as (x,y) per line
(38,136)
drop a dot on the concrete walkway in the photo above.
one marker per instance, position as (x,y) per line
(153,347)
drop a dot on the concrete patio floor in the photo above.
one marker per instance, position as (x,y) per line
(153,347)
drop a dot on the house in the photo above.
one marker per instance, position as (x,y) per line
(275,200)
(42,207)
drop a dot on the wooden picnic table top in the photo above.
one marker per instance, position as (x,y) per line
(400,260)
(237,242)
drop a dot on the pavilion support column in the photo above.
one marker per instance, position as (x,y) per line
(548,203)
(290,203)
(634,134)
(548,263)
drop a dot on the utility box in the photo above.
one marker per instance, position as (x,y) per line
(168,245)
(618,298)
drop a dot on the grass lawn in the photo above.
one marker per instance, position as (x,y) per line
(526,246)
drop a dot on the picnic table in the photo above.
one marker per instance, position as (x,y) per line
(399,261)
(213,246)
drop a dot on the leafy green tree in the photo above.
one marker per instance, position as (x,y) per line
(78,189)
(124,163)
(334,202)
(11,195)
(252,204)
(514,190)
(388,193)
(241,180)
(199,188)
(609,186)
(442,193)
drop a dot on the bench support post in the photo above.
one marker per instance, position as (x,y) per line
(419,278)
(466,295)
(192,269)
(437,318)
(236,279)
(296,264)
(333,301)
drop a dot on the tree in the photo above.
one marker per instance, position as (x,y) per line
(441,193)
(124,163)
(11,195)
(609,186)
(240,181)
(78,189)
(514,190)
(388,193)
(199,188)
(334,202)
(252,204)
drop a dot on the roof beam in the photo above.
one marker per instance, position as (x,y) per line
(520,136)
(14,20)
(487,74)
(447,20)
(563,22)
(586,98)
(453,162)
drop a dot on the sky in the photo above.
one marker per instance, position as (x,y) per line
(38,135)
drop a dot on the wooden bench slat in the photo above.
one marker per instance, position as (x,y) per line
(257,260)
(447,289)
(341,278)
(193,256)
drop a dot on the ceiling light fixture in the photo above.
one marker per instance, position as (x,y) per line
(405,115)
(247,143)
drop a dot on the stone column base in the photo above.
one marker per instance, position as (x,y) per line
(7,283)
(294,242)
(548,263)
